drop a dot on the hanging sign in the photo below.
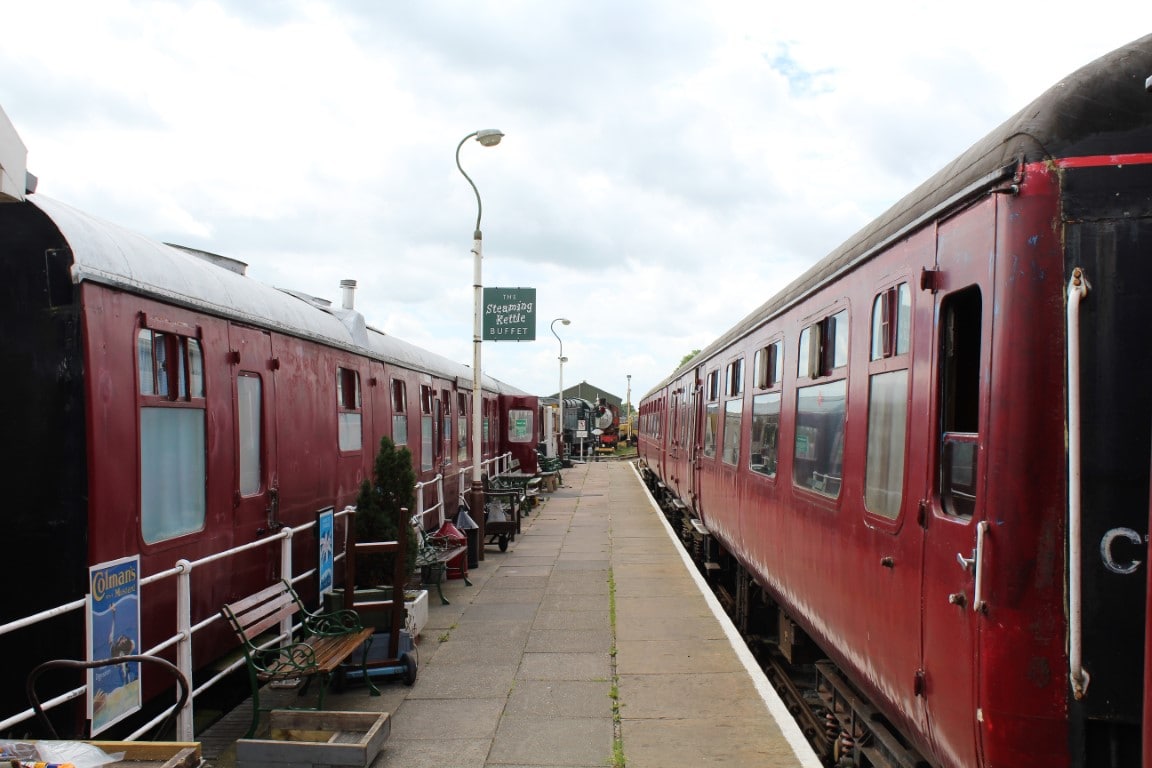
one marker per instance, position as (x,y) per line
(509,314)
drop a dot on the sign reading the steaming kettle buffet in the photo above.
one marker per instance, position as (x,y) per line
(509,314)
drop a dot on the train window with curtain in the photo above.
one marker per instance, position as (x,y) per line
(887,429)
(734,378)
(763,451)
(888,402)
(769,366)
(399,412)
(713,385)
(349,409)
(733,411)
(891,321)
(461,426)
(711,418)
(823,347)
(427,426)
(960,319)
(249,411)
(819,443)
(173,458)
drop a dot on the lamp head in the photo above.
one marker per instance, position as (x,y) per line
(489,137)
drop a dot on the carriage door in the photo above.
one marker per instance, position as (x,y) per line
(959,291)
(256,495)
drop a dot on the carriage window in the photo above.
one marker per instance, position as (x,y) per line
(711,417)
(520,429)
(887,422)
(170,373)
(169,365)
(819,443)
(891,321)
(960,338)
(734,378)
(348,409)
(427,440)
(733,410)
(249,405)
(765,427)
(823,346)
(713,385)
(399,412)
(769,365)
(446,398)
(461,426)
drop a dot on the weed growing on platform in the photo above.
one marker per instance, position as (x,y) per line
(617,738)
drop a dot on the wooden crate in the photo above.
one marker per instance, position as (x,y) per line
(154,754)
(318,739)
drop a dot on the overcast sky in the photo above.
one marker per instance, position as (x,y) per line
(667,165)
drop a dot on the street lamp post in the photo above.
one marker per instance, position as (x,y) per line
(488,137)
(628,416)
(560,397)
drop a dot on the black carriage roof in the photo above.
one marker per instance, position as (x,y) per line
(1103,108)
(111,255)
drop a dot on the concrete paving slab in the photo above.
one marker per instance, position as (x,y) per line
(559,698)
(565,666)
(569,640)
(554,741)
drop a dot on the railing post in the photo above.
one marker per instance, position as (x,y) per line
(286,574)
(185,718)
(420,503)
(440,499)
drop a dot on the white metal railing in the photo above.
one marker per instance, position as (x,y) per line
(186,630)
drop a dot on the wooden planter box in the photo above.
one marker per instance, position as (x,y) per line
(153,754)
(300,738)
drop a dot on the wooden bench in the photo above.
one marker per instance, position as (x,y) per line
(433,554)
(328,640)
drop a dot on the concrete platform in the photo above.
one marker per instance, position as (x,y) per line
(588,643)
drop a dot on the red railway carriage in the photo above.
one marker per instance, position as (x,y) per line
(159,403)
(929,456)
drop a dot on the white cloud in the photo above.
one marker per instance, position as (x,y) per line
(667,165)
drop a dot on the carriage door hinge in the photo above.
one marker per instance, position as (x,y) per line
(922,513)
(918,683)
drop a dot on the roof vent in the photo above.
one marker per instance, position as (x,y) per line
(348,288)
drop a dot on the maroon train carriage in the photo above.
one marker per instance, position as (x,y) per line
(157,402)
(892,464)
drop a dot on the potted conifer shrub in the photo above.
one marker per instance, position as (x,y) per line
(381,516)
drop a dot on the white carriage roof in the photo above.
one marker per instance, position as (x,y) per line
(111,255)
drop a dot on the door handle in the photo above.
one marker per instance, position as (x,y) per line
(978,604)
(976,563)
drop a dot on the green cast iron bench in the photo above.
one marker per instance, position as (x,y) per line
(328,640)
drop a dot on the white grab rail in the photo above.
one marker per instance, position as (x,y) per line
(1077,290)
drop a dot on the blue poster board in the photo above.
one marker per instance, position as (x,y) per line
(113,630)
(326,540)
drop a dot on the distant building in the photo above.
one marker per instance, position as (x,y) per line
(591,393)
